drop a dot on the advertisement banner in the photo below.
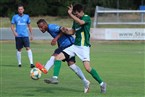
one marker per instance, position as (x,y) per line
(125,34)
(120,33)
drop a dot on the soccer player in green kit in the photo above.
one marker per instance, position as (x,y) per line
(81,47)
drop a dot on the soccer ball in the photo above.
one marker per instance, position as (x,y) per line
(35,73)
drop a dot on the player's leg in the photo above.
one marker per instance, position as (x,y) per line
(53,60)
(57,59)
(29,51)
(19,57)
(84,54)
(56,69)
(95,75)
(79,73)
(54,78)
(48,65)
(30,56)
(70,53)
(19,46)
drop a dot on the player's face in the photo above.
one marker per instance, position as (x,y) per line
(42,27)
(78,14)
(20,10)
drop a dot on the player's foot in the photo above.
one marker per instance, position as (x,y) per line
(19,65)
(41,67)
(32,66)
(103,87)
(86,86)
(51,81)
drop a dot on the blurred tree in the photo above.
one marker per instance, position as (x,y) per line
(5,6)
(36,7)
(59,7)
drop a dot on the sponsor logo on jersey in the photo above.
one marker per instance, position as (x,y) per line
(78,28)
(19,23)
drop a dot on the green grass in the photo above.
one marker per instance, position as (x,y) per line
(120,64)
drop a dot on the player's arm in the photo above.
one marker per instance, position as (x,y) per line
(30,30)
(54,41)
(67,31)
(13,30)
(13,26)
(76,19)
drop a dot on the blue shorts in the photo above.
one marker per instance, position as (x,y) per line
(22,42)
(59,50)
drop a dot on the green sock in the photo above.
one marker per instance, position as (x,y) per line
(96,76)
(57,65)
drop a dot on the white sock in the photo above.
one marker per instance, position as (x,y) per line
(50,63)
(19,57)
(79,72)
(56,77)
(30,56)
(101,83)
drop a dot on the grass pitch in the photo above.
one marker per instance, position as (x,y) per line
(120,64)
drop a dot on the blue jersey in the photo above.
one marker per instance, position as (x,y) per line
(21,23)
(64,40)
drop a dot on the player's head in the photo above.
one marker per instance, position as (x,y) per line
(20,9)
(78,10)
(42,24)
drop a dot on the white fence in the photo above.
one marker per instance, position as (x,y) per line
(116,16)
(107,16)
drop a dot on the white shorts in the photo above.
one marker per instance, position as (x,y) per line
(83,52)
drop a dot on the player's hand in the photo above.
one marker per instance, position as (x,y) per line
(70,9)
(31,38)
(53,42)
(64,29)
(15,34)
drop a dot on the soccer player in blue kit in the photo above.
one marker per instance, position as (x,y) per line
(63,41)
(22,21)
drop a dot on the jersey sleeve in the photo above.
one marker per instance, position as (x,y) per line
(54,28)
(13,20)
(28,20)
(87,19)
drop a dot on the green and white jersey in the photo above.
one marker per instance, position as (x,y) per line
(82,32)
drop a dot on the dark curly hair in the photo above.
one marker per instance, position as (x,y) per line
(78,7)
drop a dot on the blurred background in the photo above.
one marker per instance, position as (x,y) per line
(104,14)
(59,7)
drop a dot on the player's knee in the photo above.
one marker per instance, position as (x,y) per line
(57,58)
(19,50)
(70,63)
(87,69)
(27,48)
(87,66)
(60,57)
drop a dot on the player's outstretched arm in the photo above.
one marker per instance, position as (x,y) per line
(67,31)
